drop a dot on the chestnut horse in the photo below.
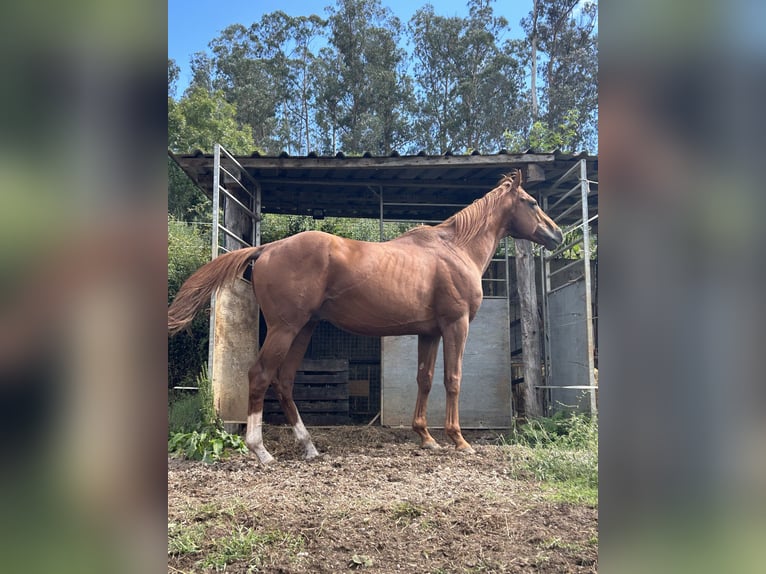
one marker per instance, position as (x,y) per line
(426,282)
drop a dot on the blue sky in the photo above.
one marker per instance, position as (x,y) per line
(192,24)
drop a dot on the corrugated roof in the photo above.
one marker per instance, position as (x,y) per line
(414,187)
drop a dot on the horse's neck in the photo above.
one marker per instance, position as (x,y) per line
(481,247)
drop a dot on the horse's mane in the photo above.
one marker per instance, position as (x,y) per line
(467,222)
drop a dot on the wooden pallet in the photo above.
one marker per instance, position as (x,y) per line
(320,393)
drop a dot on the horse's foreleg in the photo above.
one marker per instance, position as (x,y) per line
(428,348)
(285,380)
(454,345)
(261,374)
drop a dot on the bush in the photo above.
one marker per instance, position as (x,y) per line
(188,250)
(195,431)
(184,414)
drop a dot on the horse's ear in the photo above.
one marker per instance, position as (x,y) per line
(516,179)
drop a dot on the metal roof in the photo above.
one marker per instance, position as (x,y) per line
(414,187)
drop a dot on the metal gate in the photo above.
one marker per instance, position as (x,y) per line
(570,382)
(234,311)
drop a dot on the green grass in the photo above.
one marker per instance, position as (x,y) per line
(185,538)
(562,453)
(251,547)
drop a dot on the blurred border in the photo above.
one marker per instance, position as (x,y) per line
(682,475)
(83,268)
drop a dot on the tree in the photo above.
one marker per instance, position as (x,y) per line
(470,84)
(197,121)
(245,80)
(373,93)
(188,249)
(436,78)
(173,72)
(564,32)
(201,119)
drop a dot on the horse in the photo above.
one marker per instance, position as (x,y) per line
(426,282)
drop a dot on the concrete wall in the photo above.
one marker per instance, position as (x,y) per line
(485,396)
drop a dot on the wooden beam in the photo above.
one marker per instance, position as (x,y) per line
(535,174)
(530,327)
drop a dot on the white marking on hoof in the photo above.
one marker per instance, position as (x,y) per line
(303,437)
(254,438)
(311,453)
(430,445)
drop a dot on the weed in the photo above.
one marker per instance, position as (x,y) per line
(562,452)
(199,435)
(557,543)
(406,510)
(360,561)
(207,445)
(185,538)
(245,544)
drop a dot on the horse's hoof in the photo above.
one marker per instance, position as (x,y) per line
(266,460)
(313,456)
(467,449)
(430,445)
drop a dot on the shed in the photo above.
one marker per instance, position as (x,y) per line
(416,188)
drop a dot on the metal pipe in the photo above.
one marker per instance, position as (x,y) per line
(242,206)
(563,248)
(567,194)
(233,235)
(565,267)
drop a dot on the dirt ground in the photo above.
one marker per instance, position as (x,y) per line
(375,502)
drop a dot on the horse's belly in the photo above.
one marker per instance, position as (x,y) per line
(378,318)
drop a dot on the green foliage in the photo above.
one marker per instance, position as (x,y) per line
(439,83)
(359,561)
(188,250)
(562,452)
(276,227)
(199,435)
(185,539)
(184,413)
(248,545)
(208,445)
(470,86)
(201,118)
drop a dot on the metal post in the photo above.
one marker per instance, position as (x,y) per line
(586,258)
(380,195)
(257,211)
(216,215)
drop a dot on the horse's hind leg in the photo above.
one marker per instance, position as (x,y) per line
(284,388)
(428,347)
(261,374)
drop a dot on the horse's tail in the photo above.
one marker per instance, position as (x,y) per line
(198,288)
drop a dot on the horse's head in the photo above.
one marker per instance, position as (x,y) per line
(526,219)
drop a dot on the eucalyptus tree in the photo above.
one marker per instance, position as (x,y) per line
(246,81)
(373,95)
(436,72)
(470,82)
(563,32)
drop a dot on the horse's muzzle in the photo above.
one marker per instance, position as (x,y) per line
(550,238)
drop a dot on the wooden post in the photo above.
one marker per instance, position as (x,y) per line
(530,326)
